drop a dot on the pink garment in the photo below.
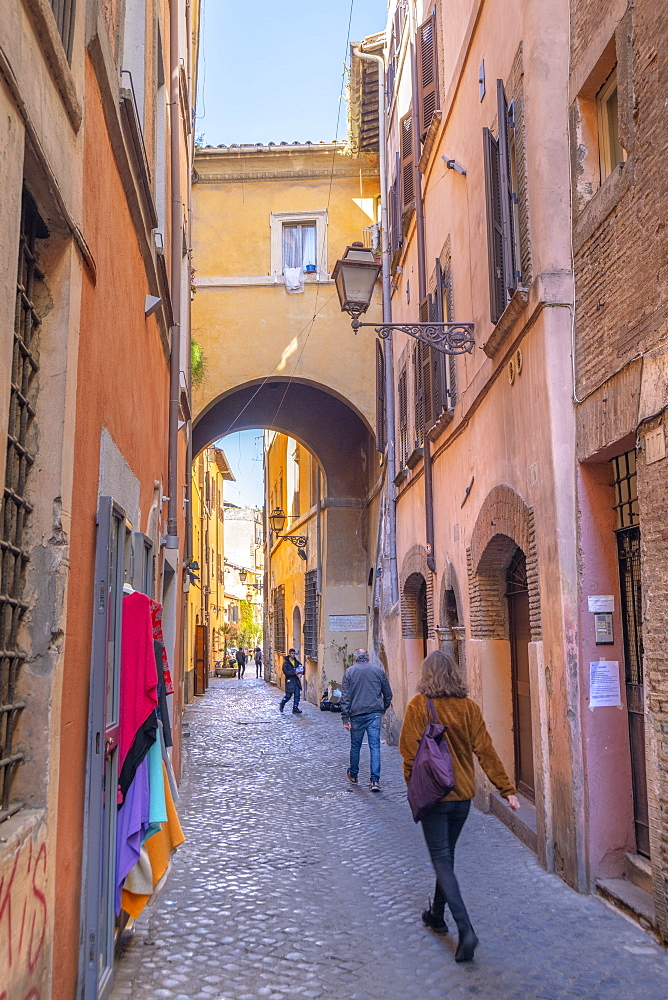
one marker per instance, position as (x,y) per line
(139,677)
(156,617)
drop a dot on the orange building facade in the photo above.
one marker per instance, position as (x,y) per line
(94,407)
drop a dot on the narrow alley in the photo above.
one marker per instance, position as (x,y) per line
(292,883)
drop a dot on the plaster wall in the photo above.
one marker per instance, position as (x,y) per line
(122,393)
(231,242)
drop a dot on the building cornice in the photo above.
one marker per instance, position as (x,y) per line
(248,176)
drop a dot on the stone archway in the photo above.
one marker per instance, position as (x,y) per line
(505,522)
(336,526)
(450,631)
(415,565)
(330,427)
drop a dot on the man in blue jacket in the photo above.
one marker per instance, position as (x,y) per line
(366,697)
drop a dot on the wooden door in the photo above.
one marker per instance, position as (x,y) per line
(517,593)
(200,658)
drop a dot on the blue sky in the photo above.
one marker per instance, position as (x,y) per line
(271,72)
(243,451)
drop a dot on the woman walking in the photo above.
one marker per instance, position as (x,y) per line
(466,735)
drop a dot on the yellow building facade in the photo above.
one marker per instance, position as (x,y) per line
(287,360)
(206,618)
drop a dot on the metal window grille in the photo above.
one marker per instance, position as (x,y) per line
(311,615)
(63,11)
(628,549)
(279,620)
(16,509)
(625,483)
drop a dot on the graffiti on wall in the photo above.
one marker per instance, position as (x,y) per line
(23,921)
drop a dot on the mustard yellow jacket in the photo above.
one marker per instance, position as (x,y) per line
(466,734)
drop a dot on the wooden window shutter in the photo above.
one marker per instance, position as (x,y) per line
(427,72)
(407,165)
(497,290)
(402,400)
(396,209)
(380,396)
(422,388)
(505,185)
(438,358)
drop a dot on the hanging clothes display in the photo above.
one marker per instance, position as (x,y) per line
(156,619)
(139,686)
(148,828)
(156,856)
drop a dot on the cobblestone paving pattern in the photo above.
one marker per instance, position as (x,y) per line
(293,884)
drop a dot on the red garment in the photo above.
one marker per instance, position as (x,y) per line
(156,617)
(139,677)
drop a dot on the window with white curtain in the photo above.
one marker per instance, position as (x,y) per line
(299,239)
(299,245)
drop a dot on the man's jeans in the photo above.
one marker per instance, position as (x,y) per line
(441,827)
(286,698)
(359,725)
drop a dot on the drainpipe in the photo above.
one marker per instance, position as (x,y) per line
(422,290)
(387,318)
(176,273)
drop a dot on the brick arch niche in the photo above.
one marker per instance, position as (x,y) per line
(415,572)
(505,523)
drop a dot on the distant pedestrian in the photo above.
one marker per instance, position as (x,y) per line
(366,696)
(240,657)
(258,662)
(293,685)
(466,735)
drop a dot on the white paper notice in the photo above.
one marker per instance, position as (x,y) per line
(604,689)
(601,602)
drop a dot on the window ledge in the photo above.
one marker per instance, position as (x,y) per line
(415,457)
(443,421)
(401,476)
(506,322)
(236,281)
(602,202)
(44,23)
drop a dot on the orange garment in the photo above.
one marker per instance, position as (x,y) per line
(466,734)
(160,848)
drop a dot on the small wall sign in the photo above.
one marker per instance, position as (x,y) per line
(601,602)
(347,623)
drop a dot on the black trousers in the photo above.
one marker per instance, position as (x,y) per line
(441,827)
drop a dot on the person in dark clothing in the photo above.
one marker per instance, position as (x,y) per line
(240,657)
(366,696)
(293,685)
(466,735)
(258,662)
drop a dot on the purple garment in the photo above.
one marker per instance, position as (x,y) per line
(131,826)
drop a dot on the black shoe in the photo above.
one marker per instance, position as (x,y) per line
(351,779)
(436,924)
(297,711)
(467,945)
(374,786)
(281,706)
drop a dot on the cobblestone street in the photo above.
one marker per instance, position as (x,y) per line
(292,883)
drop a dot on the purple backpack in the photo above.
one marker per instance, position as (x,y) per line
(433,775)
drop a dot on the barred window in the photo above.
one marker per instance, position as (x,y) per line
(280,645)
(16,508)
(311,614)
(63,11)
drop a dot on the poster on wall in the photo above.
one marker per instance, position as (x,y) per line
(604,687)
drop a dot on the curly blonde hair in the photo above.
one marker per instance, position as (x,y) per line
(440,677)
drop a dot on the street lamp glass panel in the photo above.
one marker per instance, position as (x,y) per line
(355,276)
(277,520)
(243,575)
